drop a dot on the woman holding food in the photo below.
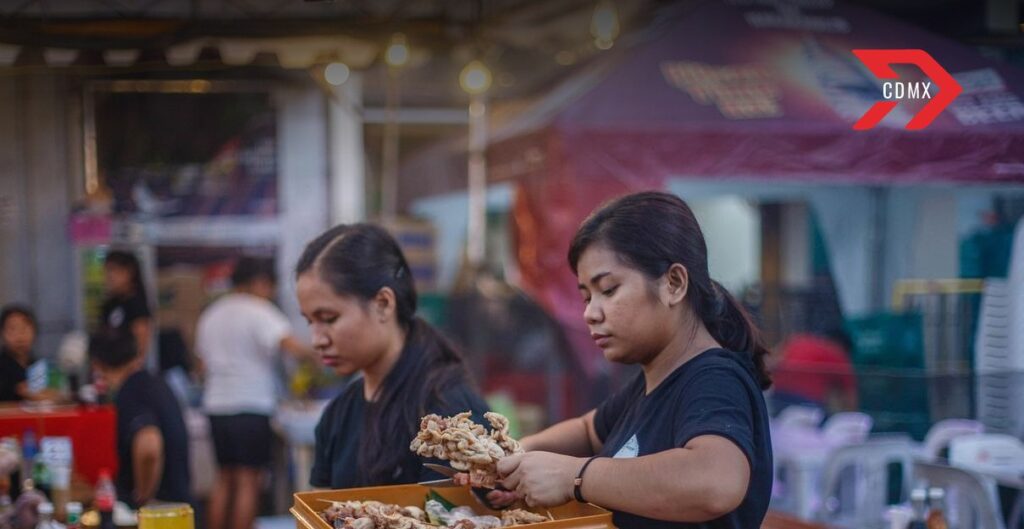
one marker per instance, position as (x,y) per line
(686,443)
(356,291)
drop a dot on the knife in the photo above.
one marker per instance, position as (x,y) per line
(444,470)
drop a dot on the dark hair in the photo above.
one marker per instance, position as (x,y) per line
(128,261)
(359,260)
(651,231)
(20,310)
(112,349)
(249,269)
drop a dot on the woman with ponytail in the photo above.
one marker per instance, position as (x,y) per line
(356,291)
(686,443)
(125,310)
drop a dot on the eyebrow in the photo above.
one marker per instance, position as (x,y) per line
(594,280)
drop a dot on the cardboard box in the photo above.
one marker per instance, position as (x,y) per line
(308,505)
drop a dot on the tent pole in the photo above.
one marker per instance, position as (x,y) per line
(477,236)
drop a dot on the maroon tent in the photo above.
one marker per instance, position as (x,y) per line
(735,89)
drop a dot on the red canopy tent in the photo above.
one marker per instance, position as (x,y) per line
(735,89)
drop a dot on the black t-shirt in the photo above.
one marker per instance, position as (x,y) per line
(145,400)
(119,313)
(11,374)
(341,425)
(715,393)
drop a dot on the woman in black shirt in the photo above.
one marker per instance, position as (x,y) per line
(686,443)
(356,291)
(125,310)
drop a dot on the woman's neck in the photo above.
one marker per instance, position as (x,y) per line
(374,374)
(684,346)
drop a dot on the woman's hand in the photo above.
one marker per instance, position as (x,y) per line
(495,499)
(543,479)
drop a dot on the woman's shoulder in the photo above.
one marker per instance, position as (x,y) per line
(715,366)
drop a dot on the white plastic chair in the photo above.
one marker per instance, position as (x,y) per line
(997,459)
(969,502)
(941,433)
(990,453)
(855,480)
(801,455)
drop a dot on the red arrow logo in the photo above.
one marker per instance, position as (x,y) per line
(879,61)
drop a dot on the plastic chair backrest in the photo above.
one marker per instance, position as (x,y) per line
(968,498)
(800,417)
(942,432)
(987,452)
(847,428)
(855,480)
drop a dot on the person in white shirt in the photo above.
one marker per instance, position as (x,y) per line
(238,340)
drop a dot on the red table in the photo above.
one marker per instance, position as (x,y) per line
(92,430)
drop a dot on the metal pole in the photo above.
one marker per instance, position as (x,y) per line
(389,164)
(476,245)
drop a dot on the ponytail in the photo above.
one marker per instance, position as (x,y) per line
(731,325)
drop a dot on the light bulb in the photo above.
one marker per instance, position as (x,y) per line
(336,73)
(475,78)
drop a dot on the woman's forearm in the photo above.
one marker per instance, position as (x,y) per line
(681,485)
(571,437)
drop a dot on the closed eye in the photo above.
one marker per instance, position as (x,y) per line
(610,291)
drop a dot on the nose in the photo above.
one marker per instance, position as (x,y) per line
(592,312)
(320,338)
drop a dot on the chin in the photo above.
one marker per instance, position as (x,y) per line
(344,370)
(614,355)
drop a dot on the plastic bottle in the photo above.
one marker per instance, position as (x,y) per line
(74,510)
(937,508)
(918,502)
(105,498)
(46,520)
(41,476)
(29,450)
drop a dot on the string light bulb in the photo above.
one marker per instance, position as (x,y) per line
(475,78)
(397,54)
(336,73)
(604,25)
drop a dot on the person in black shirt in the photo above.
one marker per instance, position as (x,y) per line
(686,444)
(125,310)
(356,291)
(18,329)
(152,442)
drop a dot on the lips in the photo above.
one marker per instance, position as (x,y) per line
(330,361)
(600,339)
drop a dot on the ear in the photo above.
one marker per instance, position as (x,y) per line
(384,305)
(676,284)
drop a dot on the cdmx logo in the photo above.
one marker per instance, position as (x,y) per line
(894,91)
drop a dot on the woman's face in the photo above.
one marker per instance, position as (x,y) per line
(118,278)
(345,335)
(625,313)
(18,333)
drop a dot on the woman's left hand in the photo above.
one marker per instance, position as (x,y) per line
(543,479)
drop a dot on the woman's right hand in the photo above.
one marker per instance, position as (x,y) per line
(494,499)
(501,498)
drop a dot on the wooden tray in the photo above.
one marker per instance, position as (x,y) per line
(569,516)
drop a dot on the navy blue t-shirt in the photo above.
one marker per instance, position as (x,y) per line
(146,400)
(340,429)
(715,393)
